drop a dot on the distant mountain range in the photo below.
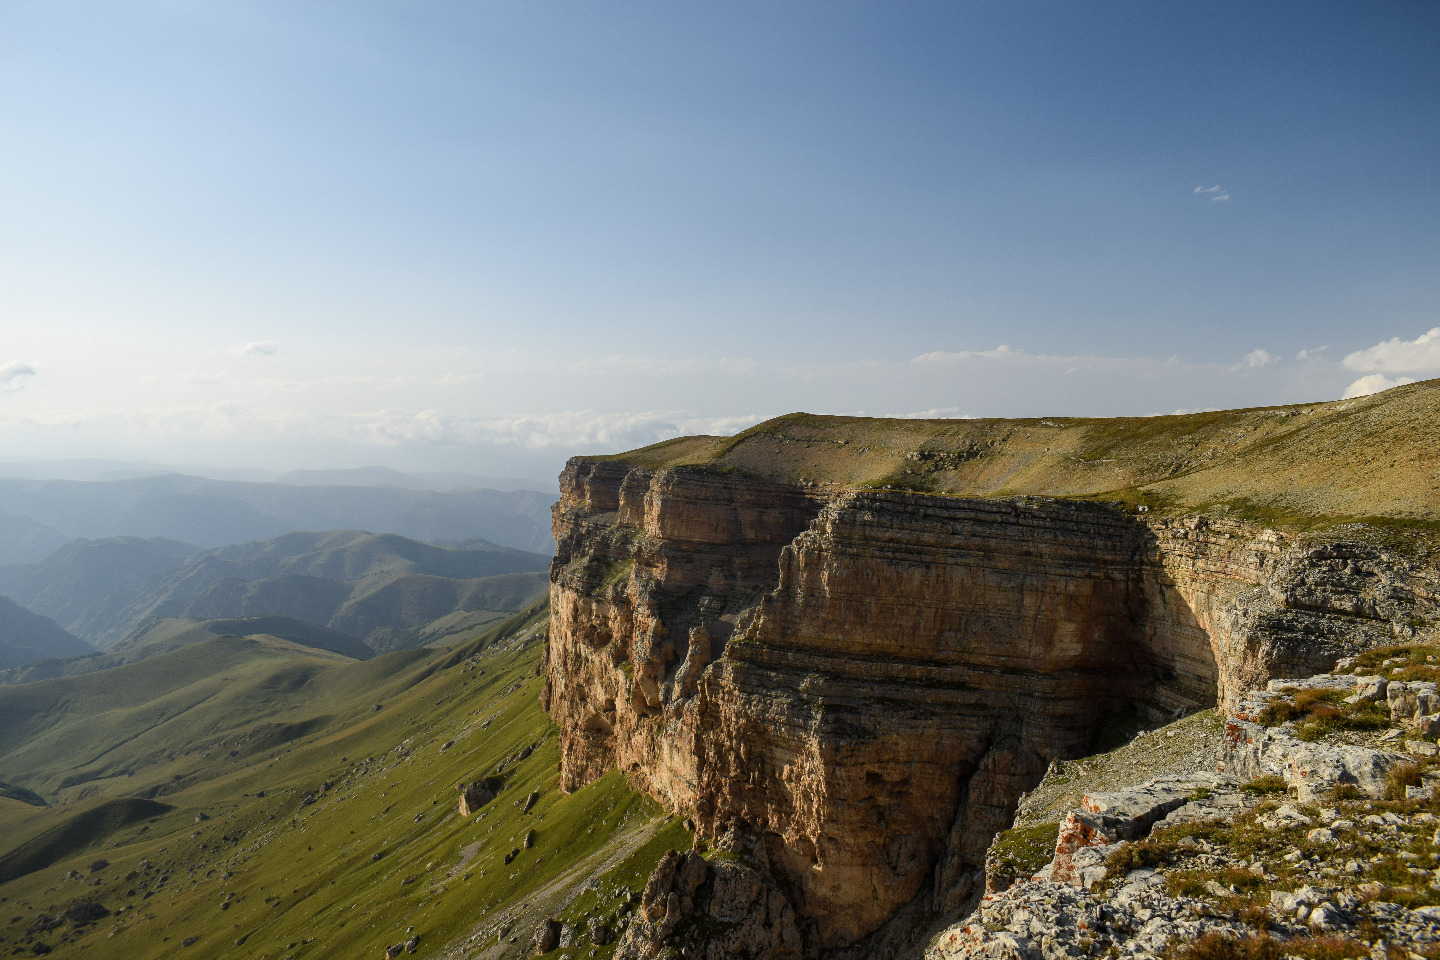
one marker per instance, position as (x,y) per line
(375,476)
(27,636)
(381,591)
(39,516)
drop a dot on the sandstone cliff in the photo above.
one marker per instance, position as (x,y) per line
(866,680)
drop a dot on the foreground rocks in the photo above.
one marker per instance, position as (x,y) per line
(1330,841)
(725,907)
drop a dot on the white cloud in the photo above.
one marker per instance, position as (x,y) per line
(1216,192)
(1421,355)
(1002,352)
(1255,359)
(1312,355)
(1374,383)
(12,375)
(259,348)
(1222,196)
(1215,189)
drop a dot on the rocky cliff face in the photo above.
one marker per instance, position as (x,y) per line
(866,681)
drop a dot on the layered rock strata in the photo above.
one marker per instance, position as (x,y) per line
(867,680)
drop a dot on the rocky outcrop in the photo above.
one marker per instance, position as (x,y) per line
(1209,858)
(866,681)
(725,909)
(475,795)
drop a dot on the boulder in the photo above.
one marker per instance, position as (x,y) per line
(475,795)
(1411,701)
(547,937)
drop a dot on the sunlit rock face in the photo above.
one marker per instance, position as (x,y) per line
(868,680)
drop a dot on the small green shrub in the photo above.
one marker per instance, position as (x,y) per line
(1269,783)
(1405,775)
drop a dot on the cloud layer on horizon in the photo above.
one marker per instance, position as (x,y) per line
(517,411)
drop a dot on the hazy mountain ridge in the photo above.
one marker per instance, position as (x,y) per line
(213,513)
(27,636)
(379,588)
(86,585)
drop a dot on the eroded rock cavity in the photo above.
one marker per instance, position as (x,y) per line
(866,682)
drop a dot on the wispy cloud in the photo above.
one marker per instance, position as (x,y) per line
(1002,352)
(1421,355)
(1255,359)
(259,348)
(1312,355)
(13,375)
(1216,192)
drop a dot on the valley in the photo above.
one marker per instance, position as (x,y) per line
(302,804)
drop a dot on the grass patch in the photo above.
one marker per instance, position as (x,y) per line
(1317,713)
(1267,784)
(1022,851)
(1400,777)
(1262,946)
(1407,662)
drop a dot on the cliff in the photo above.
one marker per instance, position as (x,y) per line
(864,679)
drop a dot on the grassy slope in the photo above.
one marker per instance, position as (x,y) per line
(1374,458)
(306,881)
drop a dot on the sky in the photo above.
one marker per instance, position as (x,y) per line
(486,236)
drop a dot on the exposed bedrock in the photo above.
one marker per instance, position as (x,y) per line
(868,680)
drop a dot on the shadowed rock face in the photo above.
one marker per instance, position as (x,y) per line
(867,681)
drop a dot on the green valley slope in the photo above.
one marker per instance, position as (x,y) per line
(309,806)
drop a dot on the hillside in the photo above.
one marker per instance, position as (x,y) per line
(164,636)
(309,810)
(26,637)
(1372,458)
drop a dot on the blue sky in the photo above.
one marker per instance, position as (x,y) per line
(485,235)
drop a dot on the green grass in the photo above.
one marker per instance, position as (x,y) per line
(380,850)
(1022,851)
(80,831)
(1320,712)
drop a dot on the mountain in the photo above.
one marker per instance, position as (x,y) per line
(23,540)
(26,637)
(212,513)
(382,589)
(879,668)
(86,585)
